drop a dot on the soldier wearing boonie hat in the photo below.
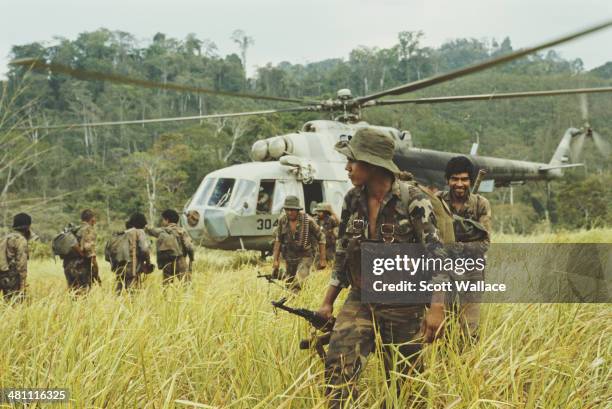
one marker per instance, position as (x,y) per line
(296,234)
(378,208)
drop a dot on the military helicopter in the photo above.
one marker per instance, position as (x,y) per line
(237,207)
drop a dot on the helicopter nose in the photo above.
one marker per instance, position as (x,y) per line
(214,224)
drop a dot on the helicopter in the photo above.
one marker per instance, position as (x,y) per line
(237,207)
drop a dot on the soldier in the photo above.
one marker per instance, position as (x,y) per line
(327,219)
(263,202)
(81,265)
(14,258)
(378,206)
(296,233)
(173,246)
(130,254)
(472,214)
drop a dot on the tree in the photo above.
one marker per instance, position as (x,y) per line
(244,42)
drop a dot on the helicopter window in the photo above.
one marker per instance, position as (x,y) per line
(222,193)
(264,197)
(244,191)
(204,191)
(283,189)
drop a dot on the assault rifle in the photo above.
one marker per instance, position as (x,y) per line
(316,320)
(478,180)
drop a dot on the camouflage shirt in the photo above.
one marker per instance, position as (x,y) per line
(86,236)
(291,241)
(476,208)
(328,228)
(17,254)
(414,222)
(179,232)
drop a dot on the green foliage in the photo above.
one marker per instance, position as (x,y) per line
(586,202)
(115,170)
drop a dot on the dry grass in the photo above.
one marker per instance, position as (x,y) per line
(218,343)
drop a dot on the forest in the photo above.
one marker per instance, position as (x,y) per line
(54,173)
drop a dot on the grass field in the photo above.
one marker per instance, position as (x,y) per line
(218,343)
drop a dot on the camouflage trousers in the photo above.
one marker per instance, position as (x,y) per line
(79,273)
(354,338)
(125,278)
(464,309)
(12,287)
(298,269)
(176,267)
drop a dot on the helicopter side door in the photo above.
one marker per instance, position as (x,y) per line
(313,195)
(260,216)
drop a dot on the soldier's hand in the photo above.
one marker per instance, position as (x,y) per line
(432,325)
(326,311)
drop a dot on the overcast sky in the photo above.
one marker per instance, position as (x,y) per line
(311,30)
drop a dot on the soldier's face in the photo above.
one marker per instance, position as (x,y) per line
(321,215)
(459,184)
(292,214)
(357,172)
(92,221)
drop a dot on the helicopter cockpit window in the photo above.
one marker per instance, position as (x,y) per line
(264,197)
(221,194)
(204,191)
(244,191)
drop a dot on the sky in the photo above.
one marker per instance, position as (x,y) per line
(311,30)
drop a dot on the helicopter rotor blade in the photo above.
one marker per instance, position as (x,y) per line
(41,65)
(603,146)
(437,79)
(173,119)
(486,97)
(576,147)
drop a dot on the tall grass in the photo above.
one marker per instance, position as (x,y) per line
(218,343)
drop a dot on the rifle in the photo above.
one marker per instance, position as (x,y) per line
(479,177)
(313,317)
(316,320)
(274,279)
(269,277)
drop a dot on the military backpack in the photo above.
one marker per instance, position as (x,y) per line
(168,244)
(4,261)
(119,249)
(64,242)
(444,216)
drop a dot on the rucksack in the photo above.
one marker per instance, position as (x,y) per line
(168,244)
(4,261)
(444,216)
(64,242)
(118,248)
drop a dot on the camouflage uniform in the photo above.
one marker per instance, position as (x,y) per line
(127,274)
(353,337)
(298,258)
(13,281)
(81,271)
(328,228)
(174,267)
(477,209)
